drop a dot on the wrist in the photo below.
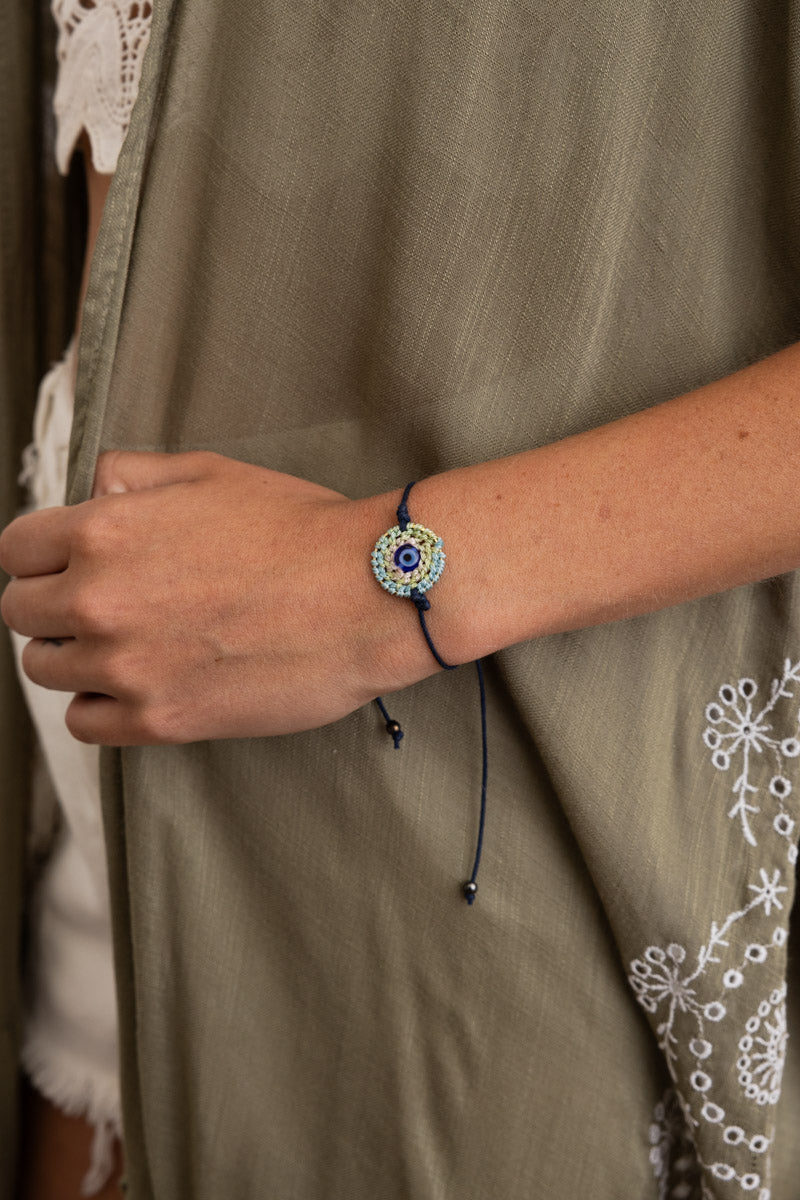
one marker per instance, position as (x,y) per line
(388,649)
(465,620)
(395,644)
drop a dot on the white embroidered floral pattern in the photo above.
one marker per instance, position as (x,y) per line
(738,729)
(101,45)
(697,997)
(763,1050)
(664,981)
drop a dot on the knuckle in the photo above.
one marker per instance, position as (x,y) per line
(107,473)
(93,534)
(158,725)
(88,612)
(124,673)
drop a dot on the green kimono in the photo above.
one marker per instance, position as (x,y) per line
(361,243)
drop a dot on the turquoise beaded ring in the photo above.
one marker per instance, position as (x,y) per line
(408,561)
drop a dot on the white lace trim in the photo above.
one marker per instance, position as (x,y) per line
(101,45)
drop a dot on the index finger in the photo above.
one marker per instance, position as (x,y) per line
(36,544)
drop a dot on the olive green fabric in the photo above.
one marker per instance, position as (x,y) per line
(363,243)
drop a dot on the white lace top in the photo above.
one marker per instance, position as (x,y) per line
(101,45)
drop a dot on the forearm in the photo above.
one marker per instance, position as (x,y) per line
(679,501)
(200,597)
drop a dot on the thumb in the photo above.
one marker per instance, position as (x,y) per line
(136,471)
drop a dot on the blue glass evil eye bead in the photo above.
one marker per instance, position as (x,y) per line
(408,560)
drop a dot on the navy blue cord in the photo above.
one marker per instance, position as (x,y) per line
(422,604)
(403,519)
(392,727)
(471,888)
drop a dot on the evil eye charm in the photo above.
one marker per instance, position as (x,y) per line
(408,560)
(407,557)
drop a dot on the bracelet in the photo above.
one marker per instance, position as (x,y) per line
(407,561)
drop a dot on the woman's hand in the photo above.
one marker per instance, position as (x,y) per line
(199,597)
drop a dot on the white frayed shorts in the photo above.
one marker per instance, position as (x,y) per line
(70,1039)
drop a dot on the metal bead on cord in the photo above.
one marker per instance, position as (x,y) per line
(407,560)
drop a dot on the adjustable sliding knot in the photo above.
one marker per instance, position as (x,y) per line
(407,561)
(392,727)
